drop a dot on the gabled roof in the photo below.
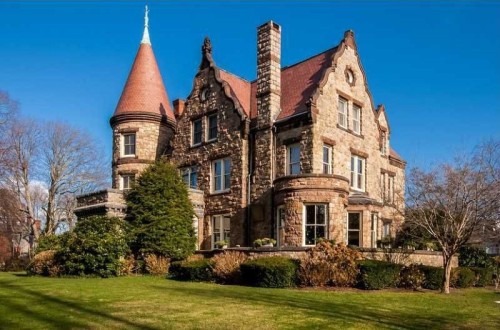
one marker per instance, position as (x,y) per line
(144,91)
(239,89)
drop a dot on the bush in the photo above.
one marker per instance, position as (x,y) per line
(433,277)
(197,270)
(411,277)
(128,266)
(269,272)
(329,264)
(462,277)
(376,275)
(227,266)
(15,264)
(44,264)
(471,256)
(161,214)
(50,242)
(484,276)
(156,265)
(95,247)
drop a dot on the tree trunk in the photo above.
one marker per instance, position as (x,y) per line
(447,272)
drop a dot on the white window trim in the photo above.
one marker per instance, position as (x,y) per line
(304,219)
(390,189)
(193,132)
(383,150)
(344,113)
(122,145)
(220,218)
(374,229)
(356,120)
(360,230)
(190,172)
(223,170)
(208,128)
(386,224)
(288,154)
(354,183)
(330,159)
(122,181)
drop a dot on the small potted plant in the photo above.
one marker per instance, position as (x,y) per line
(264,242)
(386,242)
(222,244)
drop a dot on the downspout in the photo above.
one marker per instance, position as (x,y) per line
(273,177)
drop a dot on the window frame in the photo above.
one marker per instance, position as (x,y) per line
(386,225)
(383,149)
(195,133)
(374,229)
(356,120)
(223,234)
(289,163)
(225,175)
(315,225)
(329,165)
(390,189)
(355,174)
(359,230)
(130,180)
(190,171)
(209,128)
(125,145)
(343,113)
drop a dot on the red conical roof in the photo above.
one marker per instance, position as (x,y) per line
(144,91)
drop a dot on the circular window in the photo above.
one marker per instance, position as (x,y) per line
(204,94)
(350,77)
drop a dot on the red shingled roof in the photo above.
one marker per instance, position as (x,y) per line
(298,83)
(144,90)
(394,154)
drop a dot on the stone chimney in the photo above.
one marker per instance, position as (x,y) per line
(179,106)
(268,73)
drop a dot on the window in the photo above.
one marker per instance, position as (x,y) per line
(327,159)
(315,225)
(386,229)
(356,119)
(190,176)
(293,159)
(129,144)
(342,113)
(383,149)
(220,228)
(280,223)
(127,180)
(204,94)
(358,173)
(212,127)
(353,229)
(382,186)
(374,229)
(221,175)
(197,131)
(390,193)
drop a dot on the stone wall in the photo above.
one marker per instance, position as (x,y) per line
(109,202)
(152,139)
(231,143)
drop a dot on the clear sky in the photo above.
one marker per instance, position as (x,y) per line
(435,65)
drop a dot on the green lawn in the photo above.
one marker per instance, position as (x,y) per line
(157,303)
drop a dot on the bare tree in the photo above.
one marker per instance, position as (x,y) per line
(450,202)
(14,225)
(72,165)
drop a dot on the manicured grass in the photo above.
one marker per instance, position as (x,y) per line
(157,303)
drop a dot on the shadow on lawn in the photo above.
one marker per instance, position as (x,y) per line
(323,308)
(54,312)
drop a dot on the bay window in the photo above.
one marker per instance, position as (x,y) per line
(293,159)
(358,173)
(315,226)
(354,229)
(327,159)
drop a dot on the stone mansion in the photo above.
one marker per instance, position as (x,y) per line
(299,153)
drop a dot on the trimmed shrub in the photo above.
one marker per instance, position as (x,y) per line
(411,277)
(472,256)
(462,277)
(95,247)
(376,274)
(44,264)
(270,272)
(484,276)
(227,266)
(196,271)
(156,265)
(128,265)
(329,264)
(433,277)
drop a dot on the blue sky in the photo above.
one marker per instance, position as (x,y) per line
(435,65)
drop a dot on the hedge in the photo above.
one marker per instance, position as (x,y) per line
(433,277)
(463,277)
(270,272)
(376,275)
(196,270)
(484,276)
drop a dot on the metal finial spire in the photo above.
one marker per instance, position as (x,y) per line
(145,36)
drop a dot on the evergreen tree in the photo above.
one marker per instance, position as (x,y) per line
(161,214)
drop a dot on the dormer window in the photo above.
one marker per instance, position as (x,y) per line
(212,127)
(197,131)
(128,144)
(204,94)
(383,147)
